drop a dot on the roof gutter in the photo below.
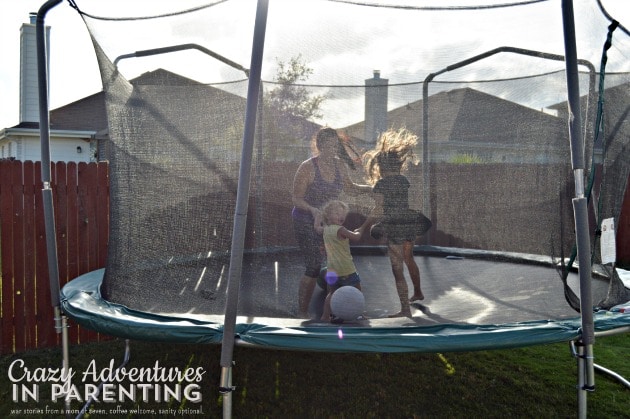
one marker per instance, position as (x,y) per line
(35,132)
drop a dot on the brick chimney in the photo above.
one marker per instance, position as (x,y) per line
(29,96)
(376,90)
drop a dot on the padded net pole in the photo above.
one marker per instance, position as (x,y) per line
(44,129)
(61,325)
(580,209)
(240,214)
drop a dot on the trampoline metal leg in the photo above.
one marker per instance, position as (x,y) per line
(612,374)
(581,394)
(584,357)
(61,324)
(226,390)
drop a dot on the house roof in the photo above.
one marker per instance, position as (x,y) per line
(465,114)
(86,114)
(89,113)
(610,94)
(164,78)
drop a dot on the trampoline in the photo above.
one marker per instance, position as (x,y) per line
(466,308)
(522,158)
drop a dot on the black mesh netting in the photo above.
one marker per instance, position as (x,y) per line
(494,160)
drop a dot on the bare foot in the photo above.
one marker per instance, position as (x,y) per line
(416,297)
(401,314)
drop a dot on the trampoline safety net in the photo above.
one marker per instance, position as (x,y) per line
(483,88)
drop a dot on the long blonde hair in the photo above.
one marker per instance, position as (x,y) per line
(393,152)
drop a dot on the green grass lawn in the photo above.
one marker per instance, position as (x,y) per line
(532,382)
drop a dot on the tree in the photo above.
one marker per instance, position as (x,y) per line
(288,110)
(288,97)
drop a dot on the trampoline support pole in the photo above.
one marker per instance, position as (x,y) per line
(226,390)
(586,379)
(61,321)
(600,369)
(240,213)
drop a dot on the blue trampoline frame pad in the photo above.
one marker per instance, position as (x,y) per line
(82,302)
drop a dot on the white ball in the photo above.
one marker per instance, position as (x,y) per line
(347,303)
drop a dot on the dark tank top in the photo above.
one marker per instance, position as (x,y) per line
(319,192)
(395,191)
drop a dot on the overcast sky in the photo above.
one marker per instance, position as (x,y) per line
(74,73)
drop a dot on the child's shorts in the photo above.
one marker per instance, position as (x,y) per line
(335,282)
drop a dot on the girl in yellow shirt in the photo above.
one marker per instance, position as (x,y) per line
(340,267)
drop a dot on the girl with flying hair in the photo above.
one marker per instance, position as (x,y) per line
(391,215)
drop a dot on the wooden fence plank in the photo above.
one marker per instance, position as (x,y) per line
(74,256)
(87,182)
(72,221)
(30,285)
(6,226)
(102,212)
(102,217)
(18,258)
(60,189)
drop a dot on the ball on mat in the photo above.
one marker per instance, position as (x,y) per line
(377,231)
(347,303)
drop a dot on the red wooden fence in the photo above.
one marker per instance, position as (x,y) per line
(81,199)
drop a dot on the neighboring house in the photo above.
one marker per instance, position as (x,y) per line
(79,131)
(186,113)
(72,127)
(616,120)
(72,133)
(469,122)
